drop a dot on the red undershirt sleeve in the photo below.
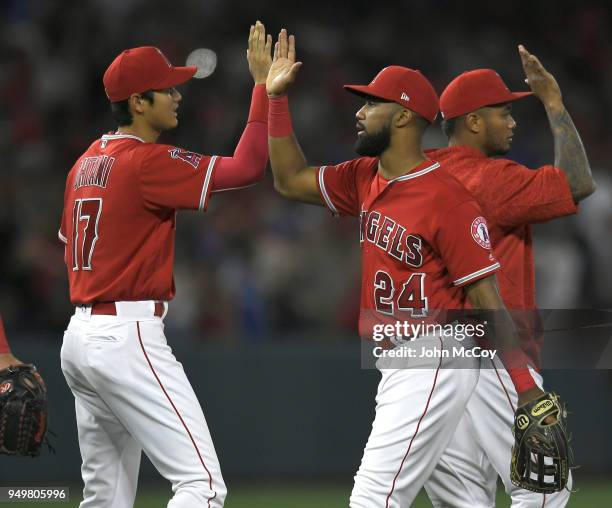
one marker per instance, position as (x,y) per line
(248,164)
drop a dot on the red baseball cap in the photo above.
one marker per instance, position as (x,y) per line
(475,89)
(407,87)
(137,70)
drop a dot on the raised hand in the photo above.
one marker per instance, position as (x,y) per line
(259,53)
(284,68)
(542,83)
(570,155)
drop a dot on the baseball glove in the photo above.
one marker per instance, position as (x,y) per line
(23,411)
(541,454)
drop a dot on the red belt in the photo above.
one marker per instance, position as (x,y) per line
(109,309)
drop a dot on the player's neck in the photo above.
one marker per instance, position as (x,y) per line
(460,141)
(141,130)
(392,164)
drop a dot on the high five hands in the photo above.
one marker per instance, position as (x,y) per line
(284,68)
(259,53)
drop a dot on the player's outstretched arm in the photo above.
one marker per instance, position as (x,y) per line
(247,165)
(484,296)
(292,176)
(570,155)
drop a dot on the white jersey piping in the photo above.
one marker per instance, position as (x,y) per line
(207,180)
(324,193)
(476,274)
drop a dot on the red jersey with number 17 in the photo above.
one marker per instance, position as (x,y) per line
(422,236)
(119,216)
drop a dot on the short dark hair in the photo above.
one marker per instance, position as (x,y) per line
(448,127)
(121,110)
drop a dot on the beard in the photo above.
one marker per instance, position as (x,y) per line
(496,146)
(497,149)
(372,145)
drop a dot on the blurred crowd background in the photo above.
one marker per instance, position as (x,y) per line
(256,267)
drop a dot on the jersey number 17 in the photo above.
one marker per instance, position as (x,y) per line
(85,218)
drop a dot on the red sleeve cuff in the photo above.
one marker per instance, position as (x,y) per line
(279,118)
(517,364)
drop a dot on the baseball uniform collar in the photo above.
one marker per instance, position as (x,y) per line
(429,166)
(119,135)
(377,188)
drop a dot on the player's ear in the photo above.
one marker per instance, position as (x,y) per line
(403,117)
(136,103)
(473,122)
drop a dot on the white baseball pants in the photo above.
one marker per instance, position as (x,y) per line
(417,410)
(132,395)
(466,475)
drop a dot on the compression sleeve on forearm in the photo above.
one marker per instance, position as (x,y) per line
(248,164)
(279,118)
(4,347)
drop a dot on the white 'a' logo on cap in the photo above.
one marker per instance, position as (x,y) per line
(376,77)
(405,97)
(164,57)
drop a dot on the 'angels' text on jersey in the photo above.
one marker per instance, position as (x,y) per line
(390,236)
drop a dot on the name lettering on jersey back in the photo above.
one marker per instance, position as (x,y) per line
(94,171)
(390,237)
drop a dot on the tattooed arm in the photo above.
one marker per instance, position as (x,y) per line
(569,151)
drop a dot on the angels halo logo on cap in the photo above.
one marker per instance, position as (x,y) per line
(164,57)
(376,77)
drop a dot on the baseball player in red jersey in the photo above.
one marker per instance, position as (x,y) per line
(6,357)
(476,107)
(424,247)
(119,220)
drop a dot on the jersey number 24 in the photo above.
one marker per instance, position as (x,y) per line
(411,298)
